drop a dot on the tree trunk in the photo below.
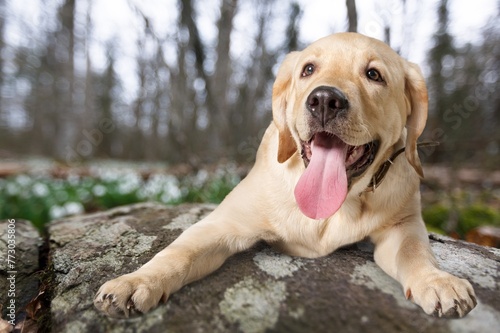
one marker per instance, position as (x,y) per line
(352,16)
(222,76)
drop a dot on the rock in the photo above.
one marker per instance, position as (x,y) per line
(255,291)
(19,273)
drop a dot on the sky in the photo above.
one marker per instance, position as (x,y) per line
(320,18)
(467,20)
(115,20)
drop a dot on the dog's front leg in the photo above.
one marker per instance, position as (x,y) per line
(200,250)
(403,252)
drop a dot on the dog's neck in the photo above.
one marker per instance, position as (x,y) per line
(379,176)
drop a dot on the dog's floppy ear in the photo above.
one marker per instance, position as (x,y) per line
(281,90)
(416,94)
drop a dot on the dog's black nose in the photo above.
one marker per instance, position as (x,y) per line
(325,103)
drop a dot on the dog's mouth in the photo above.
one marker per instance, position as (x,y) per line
(331,164)
(357,159)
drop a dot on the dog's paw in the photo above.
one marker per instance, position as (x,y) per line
(128,295)
(443,295)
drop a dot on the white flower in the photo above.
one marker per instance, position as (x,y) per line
(159,184)
(40,190)
(13,188)
(57,212)
(69,208)
(201,178)
(73,179)
(73,208)
(129,183)
(23,180)
(108,175)
(171,193)
(99,190)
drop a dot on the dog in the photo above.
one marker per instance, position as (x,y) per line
(327,174)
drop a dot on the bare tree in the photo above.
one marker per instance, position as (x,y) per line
(292,30)
(50,106)
(63,48)
(352,16)
(191,88)
(220,80)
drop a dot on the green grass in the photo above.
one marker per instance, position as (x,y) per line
(469,216)
(40,199)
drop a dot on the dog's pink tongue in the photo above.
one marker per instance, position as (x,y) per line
(322,188)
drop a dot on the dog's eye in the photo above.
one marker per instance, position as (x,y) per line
(374,75)
(308,70)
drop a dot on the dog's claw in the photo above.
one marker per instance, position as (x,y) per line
(127,295)
(444,295)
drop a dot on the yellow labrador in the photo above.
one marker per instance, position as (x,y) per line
(327,174)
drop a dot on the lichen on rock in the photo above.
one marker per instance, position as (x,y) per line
(254,305)
(258,290)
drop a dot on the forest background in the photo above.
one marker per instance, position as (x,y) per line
(184,87)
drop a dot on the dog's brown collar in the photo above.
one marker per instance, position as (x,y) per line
(378,177)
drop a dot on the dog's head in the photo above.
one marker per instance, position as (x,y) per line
(343,103)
